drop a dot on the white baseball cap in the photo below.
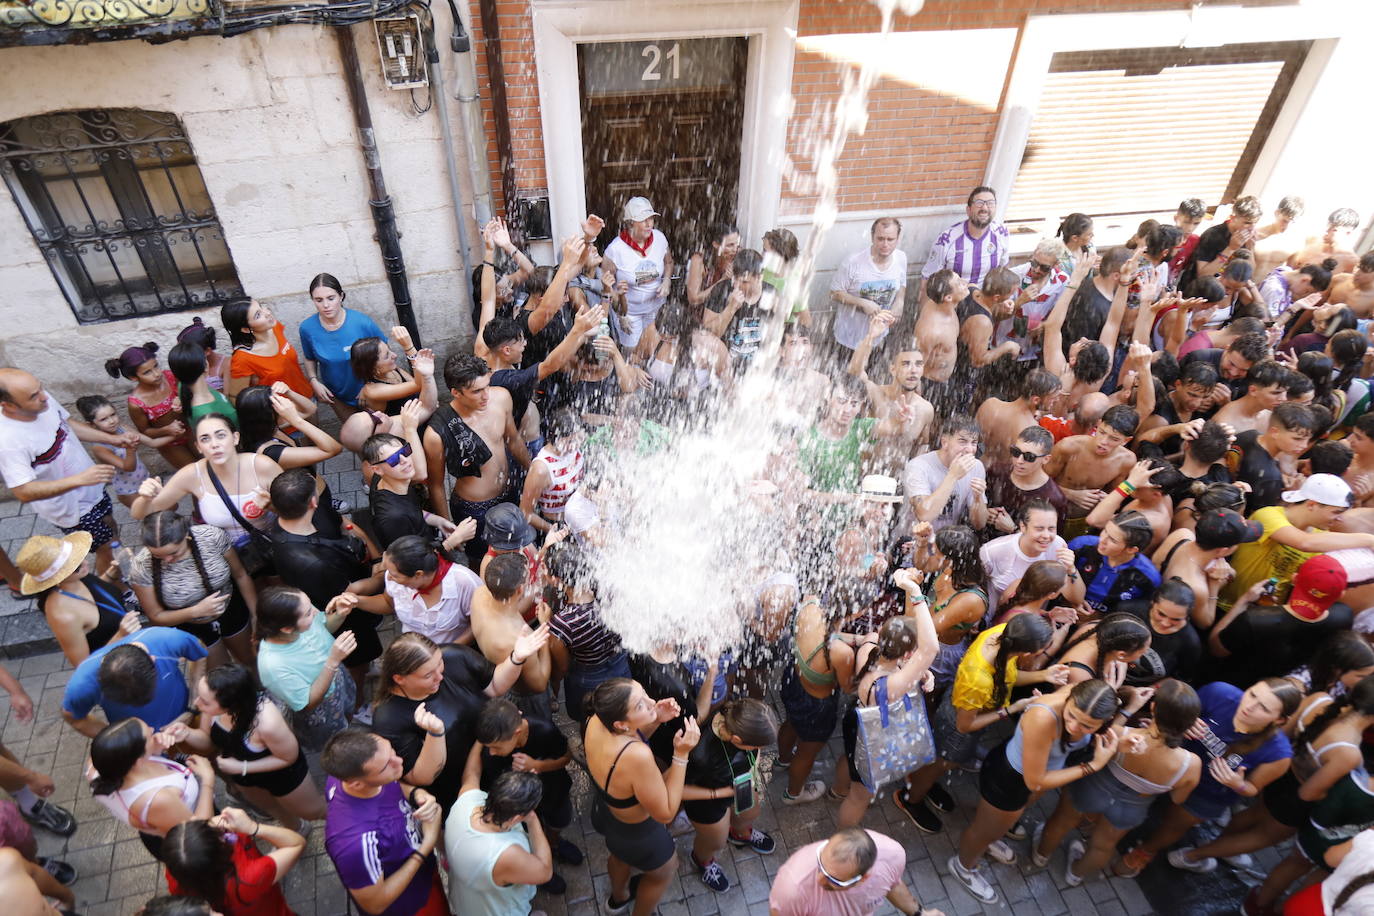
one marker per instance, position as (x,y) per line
(638,208)
(1327,489)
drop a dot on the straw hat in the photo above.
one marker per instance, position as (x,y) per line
(46,561)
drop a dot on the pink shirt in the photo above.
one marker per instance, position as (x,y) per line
(1199,341)
(797,888)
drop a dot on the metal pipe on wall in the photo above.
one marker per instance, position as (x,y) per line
(383,212)
(440,95)
(470,122)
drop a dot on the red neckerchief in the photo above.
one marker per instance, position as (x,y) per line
(643,250)
(438,580)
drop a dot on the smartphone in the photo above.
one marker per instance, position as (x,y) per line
(744,792)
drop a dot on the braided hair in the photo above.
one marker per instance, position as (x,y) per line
(169,527)
(1118,632)
(1360,699)
(1024,633)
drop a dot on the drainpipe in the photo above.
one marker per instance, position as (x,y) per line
(496,71)
(470,117)
(455,190)
(383,213)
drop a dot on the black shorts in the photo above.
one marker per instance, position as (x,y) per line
(645,846)
(1281,798)
(363,626)
(555,810)
(277,782)
(231,623)
(707,810)
(813,719)
(1000,784)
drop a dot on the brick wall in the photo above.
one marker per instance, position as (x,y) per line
(920,148)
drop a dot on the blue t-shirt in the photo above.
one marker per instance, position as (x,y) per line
(168,647)
(1219,702)
(330,351)
(1107,585)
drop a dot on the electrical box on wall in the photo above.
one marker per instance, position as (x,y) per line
(402,50)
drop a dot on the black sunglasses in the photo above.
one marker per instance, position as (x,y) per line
(402,452)
(1025,456)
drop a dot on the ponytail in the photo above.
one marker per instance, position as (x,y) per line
(1360,699)
(1023,633)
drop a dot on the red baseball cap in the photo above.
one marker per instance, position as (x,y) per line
(1317,585)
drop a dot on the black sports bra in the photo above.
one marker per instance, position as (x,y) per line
(606,796)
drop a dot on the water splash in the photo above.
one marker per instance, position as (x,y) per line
(704,530)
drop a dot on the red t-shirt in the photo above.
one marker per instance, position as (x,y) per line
(284,367)
(1059,426)
(252,889)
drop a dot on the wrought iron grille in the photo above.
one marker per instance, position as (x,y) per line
(116,202)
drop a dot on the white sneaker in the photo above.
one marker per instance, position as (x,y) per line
(809,793)
(1076,850)
(1244,860)
(973,880)
(1036,858)
(1202,866)
(999,851)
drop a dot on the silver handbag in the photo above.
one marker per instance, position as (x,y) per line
(894,738)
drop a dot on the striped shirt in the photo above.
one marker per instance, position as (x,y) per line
(590,643)
(969,257)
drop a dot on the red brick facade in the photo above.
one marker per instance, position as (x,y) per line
(920,148)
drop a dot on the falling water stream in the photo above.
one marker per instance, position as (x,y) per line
(704,530)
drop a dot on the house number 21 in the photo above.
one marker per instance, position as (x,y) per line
(657,56)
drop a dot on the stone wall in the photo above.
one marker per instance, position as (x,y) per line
(268,117)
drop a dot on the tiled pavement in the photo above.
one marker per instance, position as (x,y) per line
(117,875)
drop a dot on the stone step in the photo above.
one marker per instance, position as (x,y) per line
(26,633)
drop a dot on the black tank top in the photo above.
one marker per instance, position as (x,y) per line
(108,608)
(231,747)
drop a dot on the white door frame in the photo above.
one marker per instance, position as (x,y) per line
(1044,36)
(770,27)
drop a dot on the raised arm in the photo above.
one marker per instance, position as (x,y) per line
(574,250)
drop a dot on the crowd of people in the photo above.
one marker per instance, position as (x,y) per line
(1100,523)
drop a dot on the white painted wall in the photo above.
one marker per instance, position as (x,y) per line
(268,117)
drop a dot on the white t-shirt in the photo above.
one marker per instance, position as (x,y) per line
(923,476)
(859,276)
(644,272)
(1358,862)
(1005,563)
(46,449)
(445,622)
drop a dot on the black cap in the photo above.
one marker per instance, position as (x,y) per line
(506,528)
(1225,528)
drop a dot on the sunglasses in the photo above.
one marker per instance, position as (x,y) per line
(395,459)
(1024,456)
(836,882)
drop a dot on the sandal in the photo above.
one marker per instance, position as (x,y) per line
(836,796)
(1133,863)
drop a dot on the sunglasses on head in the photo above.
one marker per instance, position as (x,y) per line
(835,882)
(1025,456)
(395,459)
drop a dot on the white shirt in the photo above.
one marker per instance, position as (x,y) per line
(859,276)
(46,449)
(923,476)
(447,620)
(644,272)
(1358,862)
(1005,563)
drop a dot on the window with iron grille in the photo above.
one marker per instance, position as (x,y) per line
(117,205)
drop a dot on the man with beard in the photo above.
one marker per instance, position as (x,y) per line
(900,398)
(972,247)
(1085,467)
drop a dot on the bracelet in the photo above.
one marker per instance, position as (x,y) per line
(490,264)
(1070,286)
(681,760)
(1087,769)
(256,828)
(1122,491)
(243,771)
(514,662)
(416,855)
(1004,713)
